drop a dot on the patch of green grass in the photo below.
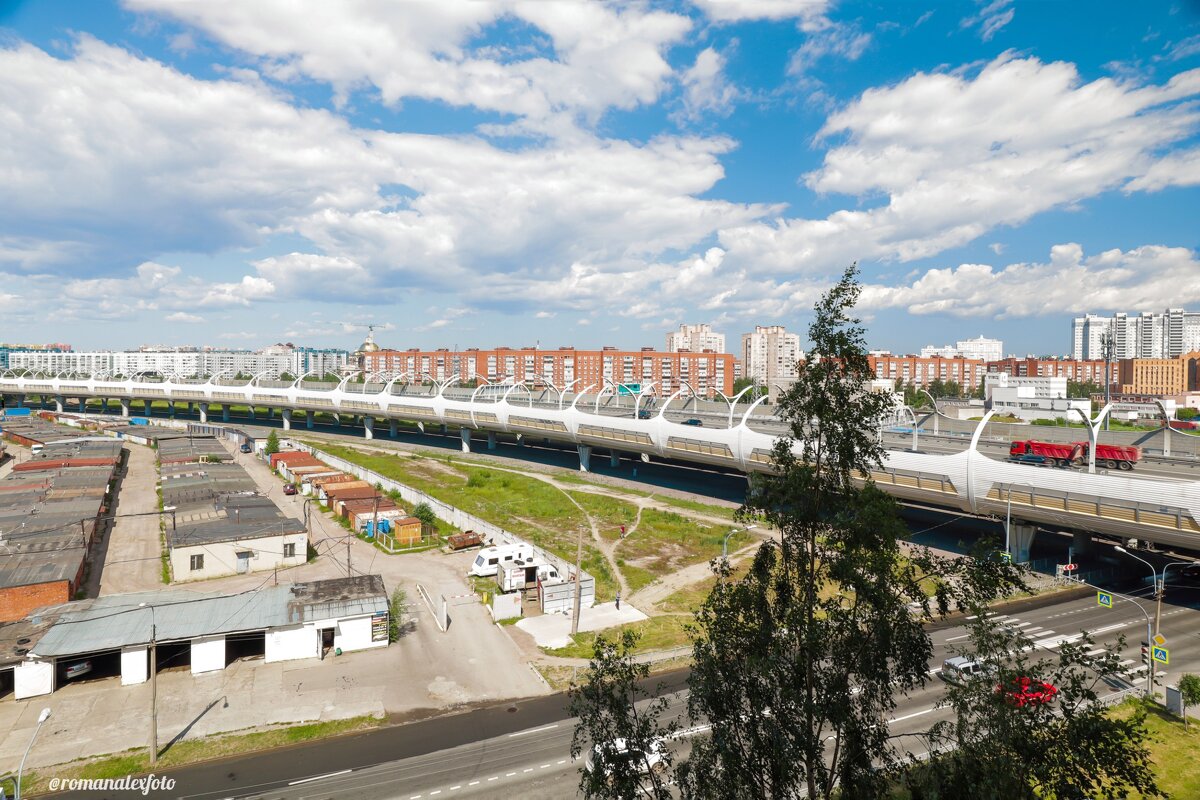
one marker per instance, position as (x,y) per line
(137,762)
(657,633)
(725,512)
(666,541)
(1173,749)
(608,513)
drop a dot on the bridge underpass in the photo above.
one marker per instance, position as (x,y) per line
(1158,506)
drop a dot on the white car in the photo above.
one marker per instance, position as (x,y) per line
(603,757)
(78,669)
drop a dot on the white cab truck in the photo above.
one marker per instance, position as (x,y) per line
(491,560)
(521,574)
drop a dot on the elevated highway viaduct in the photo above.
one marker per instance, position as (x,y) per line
(1159,502)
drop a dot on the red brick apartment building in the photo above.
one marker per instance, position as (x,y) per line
(1071,369)
(705,372)
(920,371)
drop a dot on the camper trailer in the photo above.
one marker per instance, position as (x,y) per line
(521,574)
(491,559)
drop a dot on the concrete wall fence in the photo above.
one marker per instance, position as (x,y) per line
(457,517)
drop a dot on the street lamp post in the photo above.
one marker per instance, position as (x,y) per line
(42,717)
(1160,584)
(725,541)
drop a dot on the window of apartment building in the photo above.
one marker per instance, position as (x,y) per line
(289,550)
(196,562)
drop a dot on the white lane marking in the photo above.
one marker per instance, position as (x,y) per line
(452,788)
(544,766)
(436,791)
(509,774)
(563,761)
(472,783)
(415,797)
(955,638)
(1020,624)
(534,730)
(494,778)
(319,777)
(1057,641)
(910,716)
(973,616)
(530,769)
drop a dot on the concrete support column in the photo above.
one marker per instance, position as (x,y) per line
(83,405)
(1081,542)
(585,458)
(171,409)
(369,426)
(393,427)
(465,435)
(250,410)
(491,440)
(614,459)
(104,405)
(225,413)
(520,440)
(124,408)
(58,403)
(445,431)
(20,401)
(1021,541)
(308,419)
(203,412)
(286,416)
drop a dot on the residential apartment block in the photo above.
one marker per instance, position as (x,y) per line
(187,362)
(922,371)
(1078,371)
(1168,334)
(979,347)
(696,338)
(592,369)
(770,354)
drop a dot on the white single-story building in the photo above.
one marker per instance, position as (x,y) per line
(251,537)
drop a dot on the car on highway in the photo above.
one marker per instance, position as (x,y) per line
(1191,572)
(606,757)
(78,669)
(961,668)
(1025,691)
(290,488)
(694,421)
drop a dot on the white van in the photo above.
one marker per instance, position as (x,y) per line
(34,449)
(960,669)
(491,559)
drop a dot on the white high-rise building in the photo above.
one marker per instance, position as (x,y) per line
(981,347)
(770,354)
(695,339)
(1150,334)
(188,362)
(1087,336)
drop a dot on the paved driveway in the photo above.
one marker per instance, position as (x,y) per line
(131,554)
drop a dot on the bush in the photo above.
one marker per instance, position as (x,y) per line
(272,444)
(396,608)
(423,512)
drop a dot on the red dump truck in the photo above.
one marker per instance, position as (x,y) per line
(1068,454)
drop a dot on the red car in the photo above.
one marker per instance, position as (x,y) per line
(289,488)
(1024,691)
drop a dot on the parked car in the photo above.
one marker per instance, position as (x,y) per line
(290,488)
(246,448)
(694,421)
(606,756)
(78,669)
(1024,691)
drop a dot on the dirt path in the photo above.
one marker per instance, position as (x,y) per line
(647,598)
(604,547)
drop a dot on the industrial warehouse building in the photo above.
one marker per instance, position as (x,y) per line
(204,631)
(50,507)
(221,526)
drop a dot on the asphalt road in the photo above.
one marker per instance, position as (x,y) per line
(523,748)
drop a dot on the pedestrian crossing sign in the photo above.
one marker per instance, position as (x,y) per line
(1104,599)
(1160,654)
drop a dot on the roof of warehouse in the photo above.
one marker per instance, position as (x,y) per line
(29,568)
(109,623)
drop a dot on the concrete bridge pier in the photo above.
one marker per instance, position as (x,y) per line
(203,411)
(465,435)
(585,457)
(1020,539)
(491,440)
(83,405)
(614,459)
(124,408)
(20,401)
(445,431)
(58,403)
(171,409)
(250,411)
(1081,542)
(421,427)
(285,414)
(225,413)
(104,405)
(393,427)
(520,440)
(368,426)
(308,419)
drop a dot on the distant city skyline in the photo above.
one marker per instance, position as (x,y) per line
(491,173)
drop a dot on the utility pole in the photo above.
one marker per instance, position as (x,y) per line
(1107,343)
(578,588)
(153,693)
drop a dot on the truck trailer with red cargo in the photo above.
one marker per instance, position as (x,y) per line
(1067,454)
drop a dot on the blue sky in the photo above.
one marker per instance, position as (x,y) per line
(506,173)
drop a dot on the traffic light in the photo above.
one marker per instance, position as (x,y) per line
(1146,653)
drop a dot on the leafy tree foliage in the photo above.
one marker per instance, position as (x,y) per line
(397,609)
(423,512)
(797,664)
(272,446)
(748,397)
(1189,688)
(1007,743)
(1083,389)
(613,706)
